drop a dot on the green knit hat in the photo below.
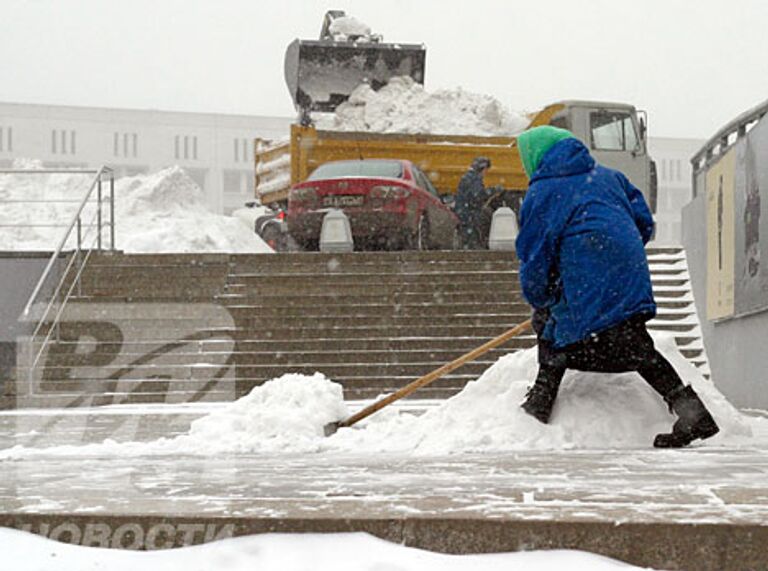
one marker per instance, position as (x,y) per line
(534,143)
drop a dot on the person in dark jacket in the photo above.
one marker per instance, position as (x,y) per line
(470,198)
(583,269)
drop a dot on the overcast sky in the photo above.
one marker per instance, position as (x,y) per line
(692,64)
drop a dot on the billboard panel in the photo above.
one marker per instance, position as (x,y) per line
(751,203)
(720,237)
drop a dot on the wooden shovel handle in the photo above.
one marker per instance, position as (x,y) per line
(436,374)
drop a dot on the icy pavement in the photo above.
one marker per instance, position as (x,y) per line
(696,486)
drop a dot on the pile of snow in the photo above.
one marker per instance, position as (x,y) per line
(288,413)
(593,411)
(159,212)
(349,28)
(404,106)
(285,552)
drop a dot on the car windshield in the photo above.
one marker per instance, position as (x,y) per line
(384,169)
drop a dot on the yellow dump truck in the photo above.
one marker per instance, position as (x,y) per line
(615,133)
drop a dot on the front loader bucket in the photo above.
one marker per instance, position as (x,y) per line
(322,74)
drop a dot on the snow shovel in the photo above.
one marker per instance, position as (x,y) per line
(332,427)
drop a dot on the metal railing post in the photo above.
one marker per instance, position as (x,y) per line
(112,211)
(59,297)
(77,252)
(98,216)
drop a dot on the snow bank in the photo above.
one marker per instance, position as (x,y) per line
(285,552)
(593,411)
(404,106)
(159,212)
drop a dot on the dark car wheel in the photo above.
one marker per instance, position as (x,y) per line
(310,245)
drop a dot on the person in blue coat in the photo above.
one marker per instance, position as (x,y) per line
(583,269)
(471,195)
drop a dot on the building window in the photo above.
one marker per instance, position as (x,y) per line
(73,142)
(53,142)
(6,139)
(135,145)
(186,147)
(63,142)
(241,144)
(129,146)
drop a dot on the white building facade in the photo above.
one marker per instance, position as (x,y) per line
(216,150)
(673,167)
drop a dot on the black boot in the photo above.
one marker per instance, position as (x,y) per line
(694,420)
(541,396)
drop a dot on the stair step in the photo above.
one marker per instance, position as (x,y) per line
(211,327)
(213,347)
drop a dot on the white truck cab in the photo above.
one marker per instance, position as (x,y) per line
(616,136)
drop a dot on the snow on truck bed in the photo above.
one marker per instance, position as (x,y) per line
(404,106)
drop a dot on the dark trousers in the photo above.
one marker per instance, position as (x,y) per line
(470,235)
(624,347)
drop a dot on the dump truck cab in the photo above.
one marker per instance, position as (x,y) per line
(615,134)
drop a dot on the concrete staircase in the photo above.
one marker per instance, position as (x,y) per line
(189,328)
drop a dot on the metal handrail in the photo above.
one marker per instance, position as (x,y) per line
(95,184)
(721,141)
(77,225)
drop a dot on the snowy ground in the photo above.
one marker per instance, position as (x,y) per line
(284,552)
(593,411)
(476,452)
(475,455)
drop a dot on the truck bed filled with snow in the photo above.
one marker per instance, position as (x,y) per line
(404,106)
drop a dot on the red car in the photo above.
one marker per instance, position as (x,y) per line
(390,204)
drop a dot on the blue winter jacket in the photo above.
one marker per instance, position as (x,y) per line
(583,228)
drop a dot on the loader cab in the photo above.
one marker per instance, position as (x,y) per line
(616,136)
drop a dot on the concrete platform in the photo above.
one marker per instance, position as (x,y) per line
(700,508)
